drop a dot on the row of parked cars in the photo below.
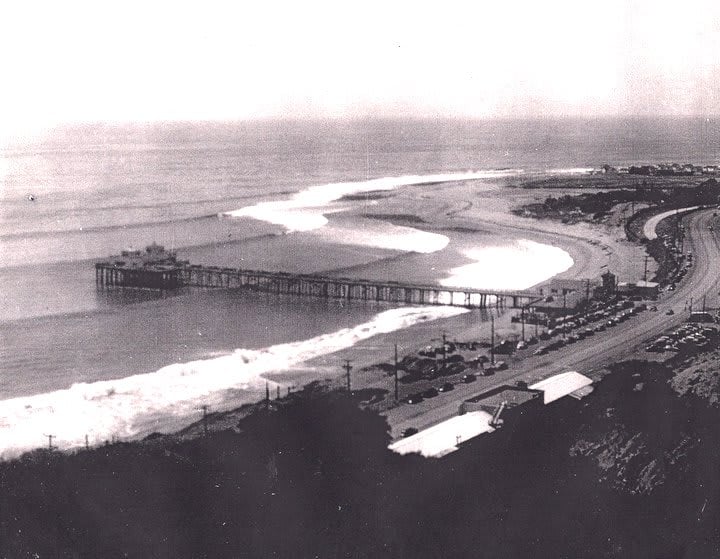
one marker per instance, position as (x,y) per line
(581,327)
(429,393)
(486,369)
(688,337)
(679,275)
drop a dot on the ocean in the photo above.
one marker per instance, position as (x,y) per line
(276,195)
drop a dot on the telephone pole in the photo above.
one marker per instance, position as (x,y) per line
(396,373)
(492,339)
(587,291)
(204,409)
(347,368)
(50,438)
(645,273)
(444,350)
(522,321)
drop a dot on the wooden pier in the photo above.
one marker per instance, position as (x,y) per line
(167,276)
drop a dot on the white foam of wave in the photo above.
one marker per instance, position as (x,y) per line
(516,266)
(385,235)
(572,171)
(306,210)
(136,405)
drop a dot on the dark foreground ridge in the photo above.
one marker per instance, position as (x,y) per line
(629,472)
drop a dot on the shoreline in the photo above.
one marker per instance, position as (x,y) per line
(473,325)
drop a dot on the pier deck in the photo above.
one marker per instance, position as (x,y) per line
(164,276)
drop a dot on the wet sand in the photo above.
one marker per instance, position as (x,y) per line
(468,213)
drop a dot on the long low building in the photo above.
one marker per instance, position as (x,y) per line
(571,383)
(476,413)
(444,438)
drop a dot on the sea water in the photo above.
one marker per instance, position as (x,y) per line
(261,195)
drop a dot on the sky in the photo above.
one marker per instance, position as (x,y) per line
(75,61)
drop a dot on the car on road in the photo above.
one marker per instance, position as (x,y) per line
(500,365)
(409,432)
(446,387)
(542,350)
(669,312)
(469,378)
(521,345)
(430,393)
(414,399)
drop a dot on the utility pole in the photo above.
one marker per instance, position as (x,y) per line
(87,443)
(492,339)
(267,394)
(50,438)
(522,321)
(347,368)
(277,392)
(645,272)
(587,291)
(704,299)
(396,373)
(204,409)
(444,350)
(691,302)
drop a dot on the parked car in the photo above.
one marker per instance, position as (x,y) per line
(409,432)
(414,399)
(430,393)
(447,387)
(469,378)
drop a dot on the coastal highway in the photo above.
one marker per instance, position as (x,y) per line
(624,341)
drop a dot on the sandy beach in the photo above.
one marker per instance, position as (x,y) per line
(470,212)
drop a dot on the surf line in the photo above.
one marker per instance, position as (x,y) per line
(307,209)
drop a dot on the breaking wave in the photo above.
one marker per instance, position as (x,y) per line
(138,405)
(306,210)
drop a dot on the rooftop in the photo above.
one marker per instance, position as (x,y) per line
(444,438)
(561,385)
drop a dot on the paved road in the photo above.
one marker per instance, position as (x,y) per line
(624,341)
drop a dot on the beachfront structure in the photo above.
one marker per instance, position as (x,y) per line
(482,413)
(445,437)
(136,270)
(641,288)
(571,383)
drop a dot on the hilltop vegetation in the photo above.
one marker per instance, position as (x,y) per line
(596,205)
(628,472)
